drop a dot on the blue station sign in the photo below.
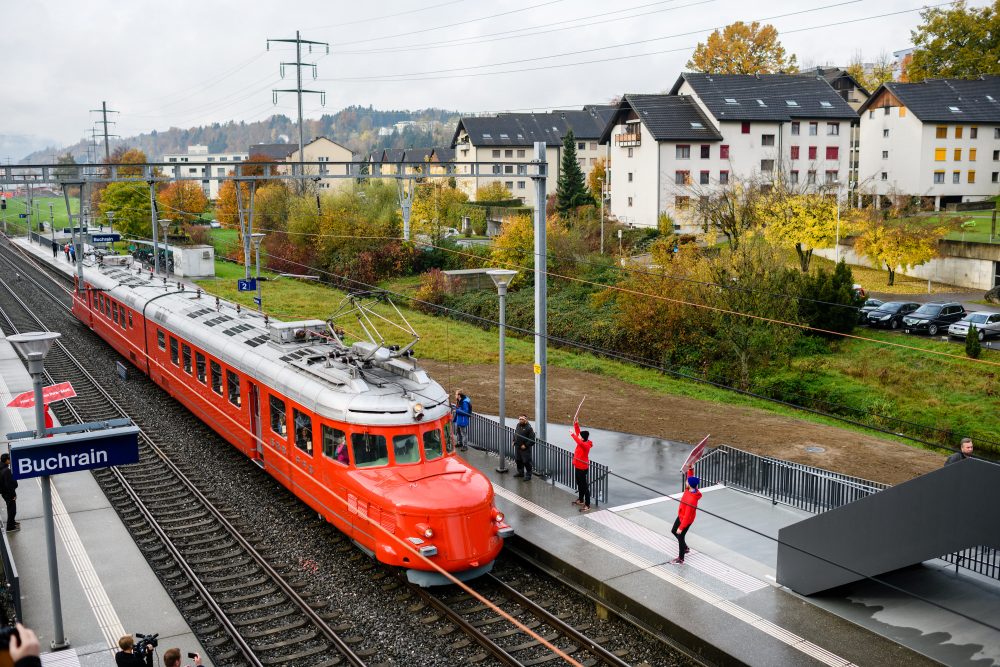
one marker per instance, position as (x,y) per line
(105,238)
(74,451)
(246,285)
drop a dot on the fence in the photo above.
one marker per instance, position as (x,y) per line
(550,462)
(814,490)
(11,605)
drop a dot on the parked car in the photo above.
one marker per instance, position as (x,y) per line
(986,323)
(867,307)
(891,313)
(931,318)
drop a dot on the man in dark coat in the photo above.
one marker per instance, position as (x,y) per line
(965,453)
(8,490)
(524,441)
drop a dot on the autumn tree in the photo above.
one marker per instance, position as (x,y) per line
(731,210)
(182,201)
(742,49)
(571,189)
(495,191)
(801,221)
(130,204)
(514,247)
(956,41)
(129,156)
(881,70)
(896,242)
(436,206)
(596,179)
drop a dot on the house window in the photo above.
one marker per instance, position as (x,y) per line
(681,202)
(972,155)
(795,128)
(811,177)
(724,152)
(831,177)
(629,201)
(972,177)
(582,161)
(724,178)
(508,153)
(956,177)
(509,185)
(593,145)
(682,178)
(940,154)
(832,152)
(767,165)
(996,156)
(958,155)
(885,176)
(795,152)
(522,169)
(996,175)
(216,377)
(593,161)
(793,176)
(939,177)
(630,152)
(497,169)
(885,155)
(813,129)
(520,185)
(885,133)
(520,152)
(233,387)
(703,178)
(885,110)
(496,153)
(871,113)
(958,131)
(581,145)
(683,152)
(767,140)
(745,128)
(996,132)
(902,112)
(508,169)
(833,129)
(973,132)
(706,151)
(630,177)
(812,152)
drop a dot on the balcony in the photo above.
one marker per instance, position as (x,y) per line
(628,139)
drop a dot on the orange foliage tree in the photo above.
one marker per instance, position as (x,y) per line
(182,201)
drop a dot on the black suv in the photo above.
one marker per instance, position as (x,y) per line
(931,318)
(891,313)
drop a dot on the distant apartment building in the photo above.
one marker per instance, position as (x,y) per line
(667,150)
(509,138)
(319,150)
(854,94)
(211,175)
(939,138)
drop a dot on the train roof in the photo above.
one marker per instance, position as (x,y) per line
(361,383)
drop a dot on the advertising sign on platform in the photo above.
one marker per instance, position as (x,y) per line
(76,451)
(50,394)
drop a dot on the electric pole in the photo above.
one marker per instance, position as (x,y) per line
(298,90)
(104,111)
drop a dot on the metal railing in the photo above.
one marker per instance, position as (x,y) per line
(814,490)
(552,463)
(12,585)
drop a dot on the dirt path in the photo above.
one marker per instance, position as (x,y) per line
(618,406)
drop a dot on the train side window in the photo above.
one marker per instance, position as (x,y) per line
(121,316)
(216,378)
(199,365)
(278,411)
(130,325)
(335,444)
(186,355)
(161,340)
(369,450)
(107,306)
(448,441)
(406,448)
(432,445)
(174,358)
(114,312)
(100,302)
(303,431)
(233,385)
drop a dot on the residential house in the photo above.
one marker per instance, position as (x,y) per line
(938,138)
(211,175)
(323,150)
(854,94)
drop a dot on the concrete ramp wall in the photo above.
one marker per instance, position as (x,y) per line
(939,513)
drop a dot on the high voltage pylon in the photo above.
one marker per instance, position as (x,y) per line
(104,111)
(298,41)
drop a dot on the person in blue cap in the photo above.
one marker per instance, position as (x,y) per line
(685,515)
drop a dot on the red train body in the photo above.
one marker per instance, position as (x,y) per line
(360,435)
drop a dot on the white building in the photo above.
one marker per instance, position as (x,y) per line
(665,151)
(324,150)
(510,137)
(938,138)
(215,174)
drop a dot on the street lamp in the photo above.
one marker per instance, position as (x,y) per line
(600,180)
(501,278)
(164,225)
(111,220)
(52,229)
(836,249)
(256,238)
(33,347)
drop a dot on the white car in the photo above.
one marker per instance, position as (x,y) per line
(987,323)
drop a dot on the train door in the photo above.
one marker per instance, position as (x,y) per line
(258,442)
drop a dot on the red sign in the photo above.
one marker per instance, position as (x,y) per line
(50,394)
(695,454)
(7,195)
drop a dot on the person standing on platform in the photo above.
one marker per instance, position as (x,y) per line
(66,250)
(965,453)
(581,465)
(8,490)
(172,658)
(127,658)
(463,412)
(524,443)
(685,515)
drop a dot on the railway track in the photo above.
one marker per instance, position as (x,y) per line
(246,610)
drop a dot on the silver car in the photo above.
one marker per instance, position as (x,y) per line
(987,323)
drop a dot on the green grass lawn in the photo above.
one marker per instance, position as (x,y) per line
(225,241)
(16,206)
(903,383)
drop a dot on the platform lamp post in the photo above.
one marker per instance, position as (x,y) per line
(33,347)
(52,229)
(165,225)
(111,220)
(501,278)
(256,238)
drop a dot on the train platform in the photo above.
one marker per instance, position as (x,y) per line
(724,602)
(107,588)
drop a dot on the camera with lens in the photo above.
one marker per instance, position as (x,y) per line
(5,635)
(144,641)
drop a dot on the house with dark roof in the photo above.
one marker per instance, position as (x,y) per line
(849,88)
(510,138)
(276,152)
(938,138)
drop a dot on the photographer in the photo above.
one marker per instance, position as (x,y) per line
(24,648)
(126,656)
(172,658)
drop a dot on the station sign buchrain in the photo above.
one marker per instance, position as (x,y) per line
(105,238)
(75,451)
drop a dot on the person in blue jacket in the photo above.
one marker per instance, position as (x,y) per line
(462,411)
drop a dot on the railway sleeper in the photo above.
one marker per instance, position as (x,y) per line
(531,643)
(306,636)
(489,620)
(208,560)
(549,657)
(260,634)
(270,618)
(240,586)
(255,595)
(183,510)
(212,543)
(514,630)
(296,658)
(234,562)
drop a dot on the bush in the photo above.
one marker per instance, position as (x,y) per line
(972,346)
(828,302)
(433,290)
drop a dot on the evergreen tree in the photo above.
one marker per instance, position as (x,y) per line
(572,188)
(972,346)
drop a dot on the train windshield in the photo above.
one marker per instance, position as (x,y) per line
(432,445)
(369,450)
(406,448)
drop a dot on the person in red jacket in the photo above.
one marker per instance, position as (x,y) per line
(581,464)
(685,515)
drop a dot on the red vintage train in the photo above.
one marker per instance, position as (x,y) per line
(358,432)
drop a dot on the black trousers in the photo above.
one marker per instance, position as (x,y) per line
(681,544)
(11,512)
(522,459)
(582,486)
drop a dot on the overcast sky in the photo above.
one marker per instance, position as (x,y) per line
(184,63)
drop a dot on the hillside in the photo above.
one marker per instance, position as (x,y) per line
(355,127)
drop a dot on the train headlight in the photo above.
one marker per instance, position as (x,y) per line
(418,411)
(425,530)
(498,517)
